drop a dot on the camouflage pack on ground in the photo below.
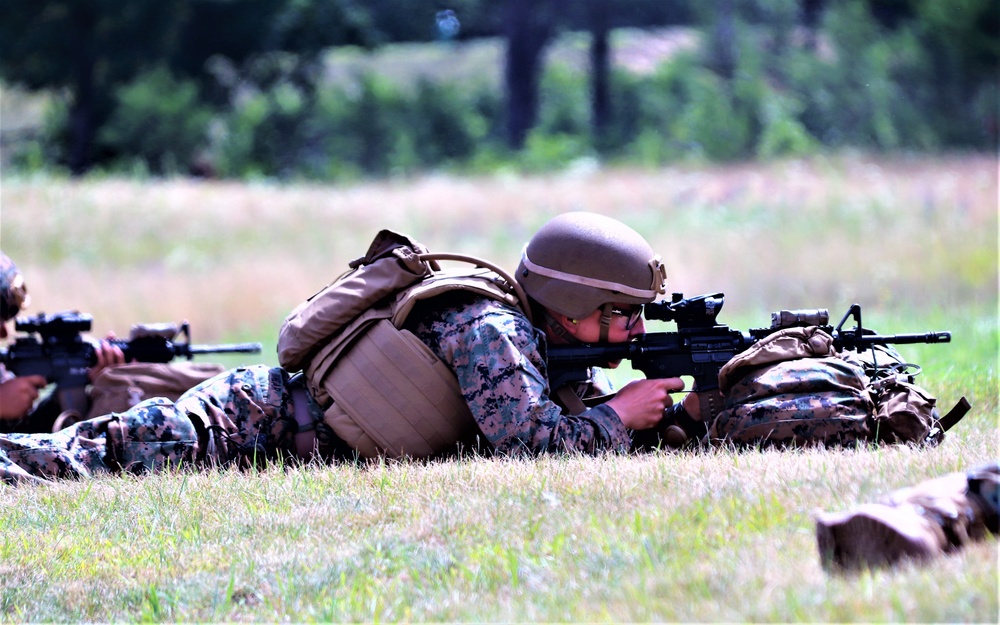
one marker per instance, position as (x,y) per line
(794,388)
(932,518)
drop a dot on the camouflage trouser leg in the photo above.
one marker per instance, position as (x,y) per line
(241,416)
(244,416)
(155,431)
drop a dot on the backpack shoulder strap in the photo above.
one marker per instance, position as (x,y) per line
(483,278)
(391,264)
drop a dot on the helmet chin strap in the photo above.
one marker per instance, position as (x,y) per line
(564,334)
(605,322)
(557,328)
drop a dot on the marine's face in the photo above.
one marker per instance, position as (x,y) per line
(626,324)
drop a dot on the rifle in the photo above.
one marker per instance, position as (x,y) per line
(63,357)
(701,346)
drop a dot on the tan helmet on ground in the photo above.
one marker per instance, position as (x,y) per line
(13,292)
(578,262)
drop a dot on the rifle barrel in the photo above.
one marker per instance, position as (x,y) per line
(928,337)
(231,348)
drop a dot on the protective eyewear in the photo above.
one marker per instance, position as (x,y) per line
(632,315)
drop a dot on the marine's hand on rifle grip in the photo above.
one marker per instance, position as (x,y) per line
(640,403)
(108,355)
(18,395)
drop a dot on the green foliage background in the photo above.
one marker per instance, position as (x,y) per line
(304,112)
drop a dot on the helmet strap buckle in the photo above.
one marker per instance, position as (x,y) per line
(605,322)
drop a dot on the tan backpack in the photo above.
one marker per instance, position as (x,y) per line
(383,391)
(118,388)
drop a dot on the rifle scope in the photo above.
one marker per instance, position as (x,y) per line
(61,325)
(693,312)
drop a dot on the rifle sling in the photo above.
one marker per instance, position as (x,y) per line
(570,400)
(955,414)
(709,406)
(305,438)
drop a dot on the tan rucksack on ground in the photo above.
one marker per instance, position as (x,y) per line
(383,391)
(932,518)
(118,388)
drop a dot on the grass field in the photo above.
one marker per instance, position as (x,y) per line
(708,536)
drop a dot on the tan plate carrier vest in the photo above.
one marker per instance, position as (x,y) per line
(384,392)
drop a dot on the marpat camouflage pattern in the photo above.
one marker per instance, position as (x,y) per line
(498,357)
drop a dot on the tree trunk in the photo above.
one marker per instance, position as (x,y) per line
(600,70)
(722,52)
(81,112)
(812,13)
(528,28)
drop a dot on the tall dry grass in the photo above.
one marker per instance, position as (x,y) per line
(235,258)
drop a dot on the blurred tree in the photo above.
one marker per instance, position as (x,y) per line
(599,22)
(529,26)
(417,20)
(242,31)
(84,48)
(272,52)
(600,18)
(88,48)
(962,39)
(721,49)
(811,12)
(890,13)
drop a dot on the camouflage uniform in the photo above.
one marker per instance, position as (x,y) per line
(498,357)
(242,416)
(246,415)
(12,292)
(8,271)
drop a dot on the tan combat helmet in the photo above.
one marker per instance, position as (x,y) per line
(579,262)
(13,292)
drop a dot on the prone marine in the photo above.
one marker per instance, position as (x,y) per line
(585,277)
